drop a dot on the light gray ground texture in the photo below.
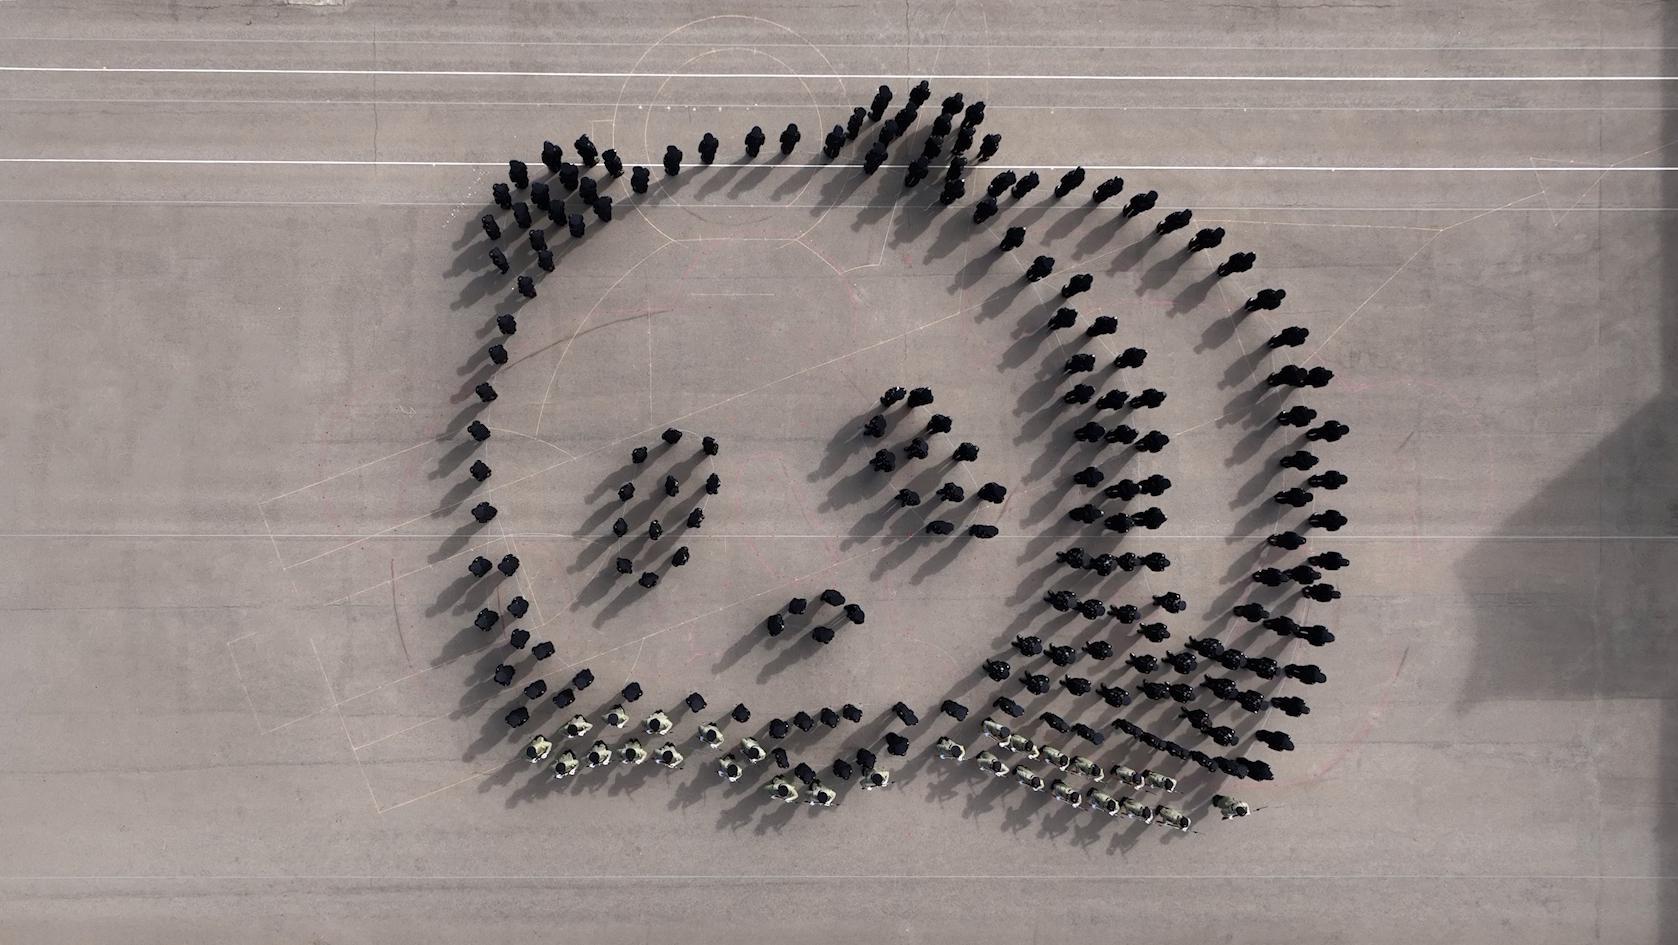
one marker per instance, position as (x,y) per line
(243,303)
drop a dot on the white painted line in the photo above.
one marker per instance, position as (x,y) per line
(826,877)
(802,76)
(1055,47)
(1291,168)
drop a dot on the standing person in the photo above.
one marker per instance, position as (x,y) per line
(672,160)
(833,142)
(1237,262)
(754,141)
(1069,182)
(1206,238)
(708,148)
(874,158)
(1174,221)
(1140,203)
(789,138)
(882,99)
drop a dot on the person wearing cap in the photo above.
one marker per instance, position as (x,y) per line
(1154,781)
(991,763)
(1125,775)
(578,727)
(729,769)
(781,787)
(1173,818)
(633,752)
(565,765)
(1229,807)
(599,754)
(1063,792)
(1136,810)
(538,749)
(658,723)
(668,756)
(711,735)
(995,729)
(752,750)
(876,778)
(1020,744)
(950,749)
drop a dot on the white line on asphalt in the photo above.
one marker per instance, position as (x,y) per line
(1291,168)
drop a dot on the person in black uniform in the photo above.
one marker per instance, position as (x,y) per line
(586,150)
(834,140)
(672,160)
(1175,220)
(1205,238)
(915,172)
(1069,182)
(614,164)
(853,125)
(708,148)
(1013,239)
(875,157)
(789,138)
(1140,203)
(1107,189)
(1237,262)
(882,99)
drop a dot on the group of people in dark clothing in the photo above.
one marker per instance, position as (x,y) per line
(1202,675)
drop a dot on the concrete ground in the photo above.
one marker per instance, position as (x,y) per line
(244,303)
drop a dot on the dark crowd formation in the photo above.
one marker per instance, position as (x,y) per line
(1133,660)
(850,613)
(919,447)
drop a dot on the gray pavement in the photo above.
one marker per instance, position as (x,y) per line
(245,304)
